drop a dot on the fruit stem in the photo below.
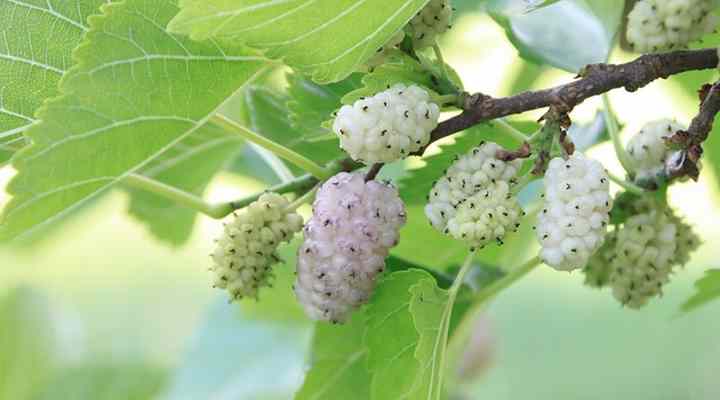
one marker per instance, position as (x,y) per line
(440,59)
(506,281)
(176,195)
(306,197)
(447,314)
(278,149)
(522,182)
(509,129)
(629,186)
(614,132)
(445,99)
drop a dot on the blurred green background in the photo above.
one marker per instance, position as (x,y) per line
(99,309)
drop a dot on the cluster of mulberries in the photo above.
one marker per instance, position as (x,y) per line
(387,126)
(573,222)
(473,201)
(353,227)
(648,151)
(247,250)
(431,21)
(658,25)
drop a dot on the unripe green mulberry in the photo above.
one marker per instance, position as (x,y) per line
(599,268)
(247,250)
(430,22)
(659,25)
(473,201)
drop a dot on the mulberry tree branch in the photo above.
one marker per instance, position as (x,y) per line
(593,80)
(690,141)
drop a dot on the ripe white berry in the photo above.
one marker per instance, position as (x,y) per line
(353,227)
(658,25)
(388,126)
(472,201)
(431,21)
(573,222)
(382,52)
(648,151)
(246,252)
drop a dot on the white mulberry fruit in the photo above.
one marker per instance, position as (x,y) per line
(648,151)
(573,222)
(658,25)
(246,252)
(430,22)
(387,126)
(353,227)
(473,201)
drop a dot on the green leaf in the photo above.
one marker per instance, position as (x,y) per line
(708,289)
(559,34)
(391,338)
(399,68)
(136,91)
(190,165)
(327,39)
(311,104)
(105,382)
(37,39)
(338,363)
(234,357)
(28,343)
(266,112)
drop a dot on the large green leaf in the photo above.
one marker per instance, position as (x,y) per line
(311,104)
(327,39)
(105,382)
(337,365)
(189,165)
(266,112)
(391,339)
(137,91)
(37,38)
(559,34)
(28,343)
(708,289)
(236,357)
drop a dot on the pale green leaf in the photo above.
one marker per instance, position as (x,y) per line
(189,165)
(28,343)
(266,112)
(431,313)
(708,289)
(559,34)
(36,40)
(233,357)
(338,363)
(137,91)
(105,382)
(327,39)
(391,338)
(311,104)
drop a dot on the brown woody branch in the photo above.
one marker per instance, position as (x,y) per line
(593,80)
(690,141)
